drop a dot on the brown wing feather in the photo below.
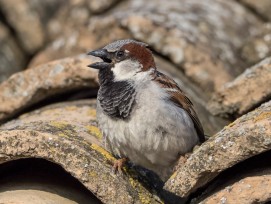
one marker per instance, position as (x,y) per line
(178,98)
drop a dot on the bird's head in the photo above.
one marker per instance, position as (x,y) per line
(123,59)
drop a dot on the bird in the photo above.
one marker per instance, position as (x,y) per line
(144,116)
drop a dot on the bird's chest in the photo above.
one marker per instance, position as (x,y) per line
(117,99)
(128,137)
(144,129)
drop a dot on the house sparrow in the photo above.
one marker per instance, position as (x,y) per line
(144,115)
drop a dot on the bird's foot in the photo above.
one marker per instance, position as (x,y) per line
(118,164)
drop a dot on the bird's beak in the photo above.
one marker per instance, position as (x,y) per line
(104,55)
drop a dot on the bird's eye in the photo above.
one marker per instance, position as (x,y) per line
(119,55)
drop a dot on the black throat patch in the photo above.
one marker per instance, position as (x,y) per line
(116,98)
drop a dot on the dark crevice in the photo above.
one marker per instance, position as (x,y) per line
(72,95)
(12,31)
(108,9)
(235,115)
(256,165)
(254,12)
(264,100)
(47,11)
(153,183)
(42,175)
(27,56)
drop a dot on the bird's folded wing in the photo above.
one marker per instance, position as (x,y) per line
(178,97)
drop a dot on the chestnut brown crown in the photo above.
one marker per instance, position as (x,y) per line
(122,50)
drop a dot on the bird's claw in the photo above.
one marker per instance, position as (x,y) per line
(118,164)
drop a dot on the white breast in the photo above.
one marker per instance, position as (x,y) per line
(154,136)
